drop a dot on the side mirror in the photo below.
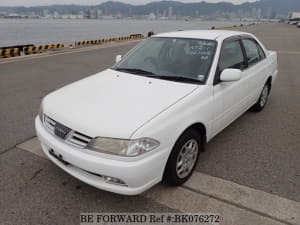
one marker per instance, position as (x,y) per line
(229,75)
(118,58)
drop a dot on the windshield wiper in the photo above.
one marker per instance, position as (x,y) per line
(153,75)
(178,79)
(135,71)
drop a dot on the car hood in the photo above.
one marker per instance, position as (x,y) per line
(113,104)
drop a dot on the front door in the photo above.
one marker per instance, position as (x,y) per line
(230,97)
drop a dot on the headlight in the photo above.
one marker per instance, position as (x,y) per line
(123,147)
(41,113)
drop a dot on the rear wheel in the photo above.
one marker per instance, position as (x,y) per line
(263,98)
(183,158)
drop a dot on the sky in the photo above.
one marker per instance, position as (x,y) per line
(95,2)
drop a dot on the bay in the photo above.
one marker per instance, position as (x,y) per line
(41,31)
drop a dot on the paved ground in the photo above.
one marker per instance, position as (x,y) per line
(261,150)
(23,83)
(258,150)
(34,191)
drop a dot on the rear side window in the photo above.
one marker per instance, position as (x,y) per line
(253,51)
(261,52)
(232,56)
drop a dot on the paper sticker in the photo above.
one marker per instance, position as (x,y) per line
(201,77)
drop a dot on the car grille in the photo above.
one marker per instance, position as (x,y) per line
(70,136)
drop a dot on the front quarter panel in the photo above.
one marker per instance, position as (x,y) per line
(168,126)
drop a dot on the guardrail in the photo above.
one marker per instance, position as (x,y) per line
(9,52)
(107,40)
(6,52)
(39,49)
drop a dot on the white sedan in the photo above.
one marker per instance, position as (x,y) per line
(149,117)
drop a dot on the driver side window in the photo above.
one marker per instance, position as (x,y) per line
(232,56)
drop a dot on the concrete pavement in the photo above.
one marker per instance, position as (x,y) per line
(261,150)
(33,191)
(230,195)
(24,81)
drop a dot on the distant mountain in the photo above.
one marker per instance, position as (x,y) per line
(262,8)
(181,9)
(279,6)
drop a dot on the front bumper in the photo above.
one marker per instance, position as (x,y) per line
(139,174)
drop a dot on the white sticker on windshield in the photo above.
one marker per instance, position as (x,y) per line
(198,50)
(201,77)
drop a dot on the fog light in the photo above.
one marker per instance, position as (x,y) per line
(113,180)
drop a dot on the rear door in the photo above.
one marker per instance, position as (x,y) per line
(257,70)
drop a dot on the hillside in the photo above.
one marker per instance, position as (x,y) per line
(260,9)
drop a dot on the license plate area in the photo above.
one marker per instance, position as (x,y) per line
(59,157)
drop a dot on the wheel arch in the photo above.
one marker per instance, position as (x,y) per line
(201,129)
(269,81)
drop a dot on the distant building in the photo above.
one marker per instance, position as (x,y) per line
(71,16)
(13,16)
(151,16)
(259,13)
(170,12)
(270,14)
(295,15)
(99,13)
(46,13)
(93,14)
(56,15)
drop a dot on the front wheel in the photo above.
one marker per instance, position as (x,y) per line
(263,98)
(183,158)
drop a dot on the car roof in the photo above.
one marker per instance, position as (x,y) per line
(202,34)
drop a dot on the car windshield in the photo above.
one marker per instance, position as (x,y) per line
(177,59)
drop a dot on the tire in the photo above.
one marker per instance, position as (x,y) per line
(190,143)
(263,99)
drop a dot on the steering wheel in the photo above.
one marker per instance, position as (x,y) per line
(153,61)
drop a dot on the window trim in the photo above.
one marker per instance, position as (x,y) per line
(264,54)
(245,36)
(258,46)
(238,38)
